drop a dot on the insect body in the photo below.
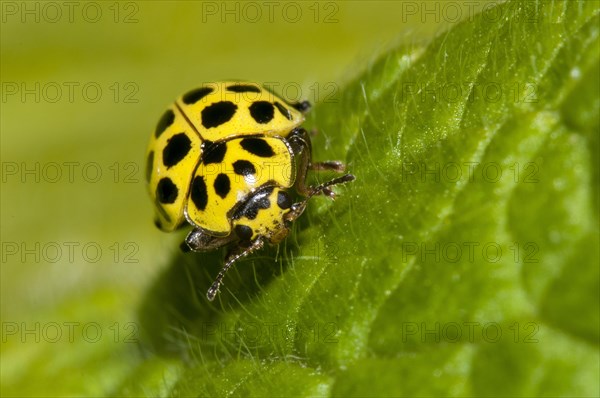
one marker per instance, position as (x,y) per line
(224,159)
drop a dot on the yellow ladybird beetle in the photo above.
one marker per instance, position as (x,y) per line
(224,158)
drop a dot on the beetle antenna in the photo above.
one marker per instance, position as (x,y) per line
(324,188)
(214,289)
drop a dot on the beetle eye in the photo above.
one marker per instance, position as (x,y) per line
(283,200)
(243,232)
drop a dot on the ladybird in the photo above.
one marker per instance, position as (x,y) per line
(225,159)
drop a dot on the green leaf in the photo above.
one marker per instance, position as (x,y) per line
(464,258)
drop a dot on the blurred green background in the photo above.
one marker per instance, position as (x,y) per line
(83,84)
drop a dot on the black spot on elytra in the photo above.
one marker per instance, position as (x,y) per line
(191,97)
(198,194)
(243,168)
(283,110)
(243,232)
(262,111)
(149,166)
(243,88)
(218,113)
(166,191)
(176,149)
(214,153)
(165,121)
(283,200)
(258,147)
(222,185)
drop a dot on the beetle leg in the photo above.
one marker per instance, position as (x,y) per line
(297,209)
(301,146)
(334,165)
(199,241)
(300,143)
(302,106)
(232,257)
